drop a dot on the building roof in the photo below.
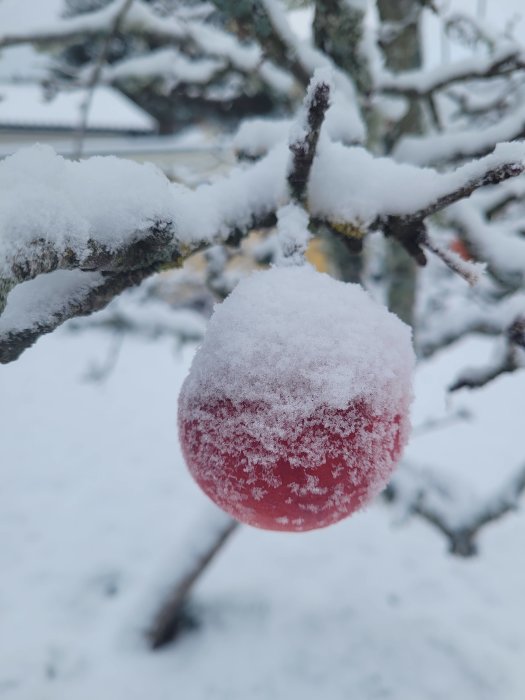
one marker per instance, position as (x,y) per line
(25,107)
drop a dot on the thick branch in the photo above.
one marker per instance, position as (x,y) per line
(81,220)
(122,248)
(339,30)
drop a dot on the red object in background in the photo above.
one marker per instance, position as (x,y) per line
(459,247)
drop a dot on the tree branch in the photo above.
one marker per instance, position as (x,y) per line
(166,622)
(422,83)
(422,494)
(80,220)
(119,259)
(410,230)
(305,136)
(509,359)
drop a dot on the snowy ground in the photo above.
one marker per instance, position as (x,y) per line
(96,510)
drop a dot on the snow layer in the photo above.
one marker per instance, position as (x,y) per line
(257,136)
(99,516)
(303,383)
(37,301)
(42,195)
(350,184)
(296,340)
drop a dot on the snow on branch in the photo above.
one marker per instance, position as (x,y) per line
(119,221)
(491,319)
(458,515)
(422,83)
(111,223)
(349,187)
(510,356)
(460,145)
(140,20)
(266,23)
(305,135)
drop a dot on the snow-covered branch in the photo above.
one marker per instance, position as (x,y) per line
(118,221)
(456,514)
(490,318)
(423,82)
(111,223)
(510,356)
(305,136)
(140,20)
(457,146)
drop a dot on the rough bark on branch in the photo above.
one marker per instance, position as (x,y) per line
(410,230)
(248,198)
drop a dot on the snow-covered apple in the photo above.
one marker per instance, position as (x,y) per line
(295,409)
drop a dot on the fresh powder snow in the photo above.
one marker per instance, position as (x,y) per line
(301,387)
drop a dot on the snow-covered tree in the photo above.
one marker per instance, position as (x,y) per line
(394,164)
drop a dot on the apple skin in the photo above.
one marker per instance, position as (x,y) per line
(318,470)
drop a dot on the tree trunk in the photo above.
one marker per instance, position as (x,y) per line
(402,53)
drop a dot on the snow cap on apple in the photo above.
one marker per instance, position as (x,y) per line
(296,407)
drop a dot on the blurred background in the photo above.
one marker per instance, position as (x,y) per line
(119,579)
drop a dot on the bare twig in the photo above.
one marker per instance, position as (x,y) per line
(303,147)
(96,74)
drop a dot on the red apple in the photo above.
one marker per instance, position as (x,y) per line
(295,410)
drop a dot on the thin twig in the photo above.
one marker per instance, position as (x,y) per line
(166,621)
(96,75)
(303,147)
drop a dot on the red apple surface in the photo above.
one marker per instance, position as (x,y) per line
(295,410)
